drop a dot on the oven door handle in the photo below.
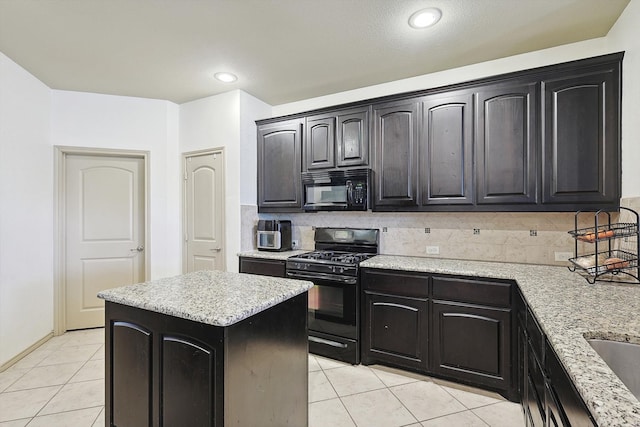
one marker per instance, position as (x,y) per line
(321,276)
(327,342)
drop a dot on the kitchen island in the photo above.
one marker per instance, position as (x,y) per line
(207,349)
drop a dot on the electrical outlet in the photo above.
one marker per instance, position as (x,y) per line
(563,256)
(295,244)
(433,250)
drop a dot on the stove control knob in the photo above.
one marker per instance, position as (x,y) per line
(341,270)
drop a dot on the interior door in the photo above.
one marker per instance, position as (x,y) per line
(204,212)
(104,232)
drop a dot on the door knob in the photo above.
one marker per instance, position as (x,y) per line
(138,249)
(216,249)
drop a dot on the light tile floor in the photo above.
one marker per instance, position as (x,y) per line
(62,384)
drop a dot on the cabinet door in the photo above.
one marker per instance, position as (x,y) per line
(395,127)
(279,160)
(581,140)
(188,382)
(319,142)
(265,267)
(446,149)
(131,376)
(472,343)
(506,124)
(395,330)
(568,402)
(352,138)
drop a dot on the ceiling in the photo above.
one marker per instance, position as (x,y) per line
(281,50)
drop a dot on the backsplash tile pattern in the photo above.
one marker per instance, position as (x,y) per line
(504,236)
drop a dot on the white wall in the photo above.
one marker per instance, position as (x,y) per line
(211,123)
(105,121)
(26,211)
(251,109)
(625,36)
(524,61)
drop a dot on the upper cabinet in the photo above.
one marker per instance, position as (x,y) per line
(505,141)
(337,139)
(581,141)
(545,139)
(279,160)
(395,138)
(446,149)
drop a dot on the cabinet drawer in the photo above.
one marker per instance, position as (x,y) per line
(396,282)
(264,267)
(536,336)
(482,292)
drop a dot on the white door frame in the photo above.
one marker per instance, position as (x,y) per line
(185,155)
(59,226)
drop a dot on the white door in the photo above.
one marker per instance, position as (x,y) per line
(104,232)
(204,212)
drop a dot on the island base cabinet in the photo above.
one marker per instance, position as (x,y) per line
(131,350)
(472,344)
(167,371)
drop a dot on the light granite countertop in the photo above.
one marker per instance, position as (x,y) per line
(211,297)
(568,309)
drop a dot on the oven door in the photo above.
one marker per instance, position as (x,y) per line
(333,304)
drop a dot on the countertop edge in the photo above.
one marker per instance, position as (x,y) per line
(201,297)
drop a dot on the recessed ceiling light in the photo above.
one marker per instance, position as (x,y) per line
(225,77)
(425,18)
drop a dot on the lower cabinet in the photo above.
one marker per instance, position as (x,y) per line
(265,267)
(452,327)
(548,397)
(472,343)
(396,330)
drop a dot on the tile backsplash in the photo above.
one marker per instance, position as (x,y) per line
(530,238)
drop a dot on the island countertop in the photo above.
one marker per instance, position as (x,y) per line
(568,310)
(211,297)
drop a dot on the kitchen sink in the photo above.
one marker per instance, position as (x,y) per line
(624,360)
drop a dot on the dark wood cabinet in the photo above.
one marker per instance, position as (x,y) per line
(581,141)
(446,149)
(548,397)
(161,368)
(337,139)
(279,166)
(471,324)
(397,330)
(472,343)
(505,141)
(319,142)
(164,370)
(395,311)
(568,408)
(131,356)
(544,139)
(395,138)
(452,327)
(352,137)
(265,267)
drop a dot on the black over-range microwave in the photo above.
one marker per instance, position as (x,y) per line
(336,190)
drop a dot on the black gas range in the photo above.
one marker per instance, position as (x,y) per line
(334,308)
